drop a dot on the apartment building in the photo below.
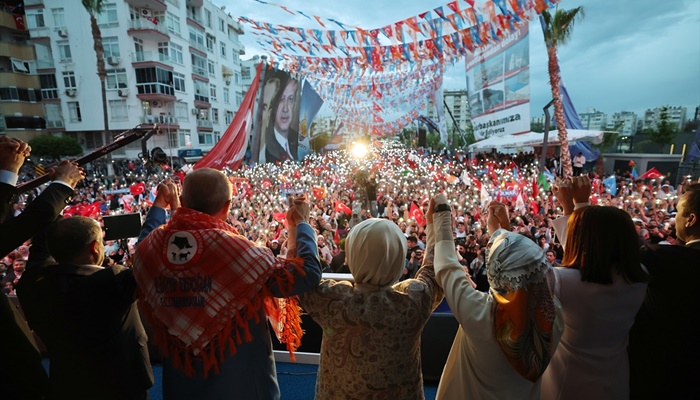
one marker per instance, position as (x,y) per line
(627,120)
(21,111)
(676,116)
(594,120)
(171,63)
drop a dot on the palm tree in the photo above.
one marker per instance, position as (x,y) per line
(557,31)
(94,8)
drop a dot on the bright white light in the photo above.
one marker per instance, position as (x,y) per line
(358,150)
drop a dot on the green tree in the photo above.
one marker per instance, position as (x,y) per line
(558,29)
(609,139)
(536,126)
(432,140)
(665,131)
(55,146)
(94,8)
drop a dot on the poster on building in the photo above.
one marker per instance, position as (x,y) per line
(498,85)
(276,134)
(311,103)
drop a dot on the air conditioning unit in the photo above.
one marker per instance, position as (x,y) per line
(71,92)
(146,12)
(113,60)
(62,33)
(123,92)
(195,111)
(228,81)
(155,104)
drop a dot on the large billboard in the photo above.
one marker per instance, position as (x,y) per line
(498,85)
(279,132)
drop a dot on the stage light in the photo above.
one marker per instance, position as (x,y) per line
(359,150)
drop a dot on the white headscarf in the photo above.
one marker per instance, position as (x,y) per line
(376,252)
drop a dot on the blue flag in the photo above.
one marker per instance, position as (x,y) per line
(610,185)
(634,172)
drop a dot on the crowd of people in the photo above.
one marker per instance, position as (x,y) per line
(513,249)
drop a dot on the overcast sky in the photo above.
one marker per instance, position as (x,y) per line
(626,55)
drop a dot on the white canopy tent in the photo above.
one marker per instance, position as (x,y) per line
(534,139)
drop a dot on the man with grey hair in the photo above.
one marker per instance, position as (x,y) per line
(209,292)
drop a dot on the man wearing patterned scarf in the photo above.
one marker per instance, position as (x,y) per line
(505,338)
(208,293)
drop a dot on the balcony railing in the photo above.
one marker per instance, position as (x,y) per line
(204,123)
(159,119)
(47,94)
(155,88)
(146,24)
(45,63)
(198,46)
(201,71)
(154,56)
(55,124)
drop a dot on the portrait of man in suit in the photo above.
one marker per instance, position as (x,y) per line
(269,92)
(281,138)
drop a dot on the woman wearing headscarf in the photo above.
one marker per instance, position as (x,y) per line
(505,337)
(372,327)
(600,286)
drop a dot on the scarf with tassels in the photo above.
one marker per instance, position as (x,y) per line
(201,284)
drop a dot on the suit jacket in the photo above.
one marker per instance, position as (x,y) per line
(88,319)
(22,375)
(274,151)
(663,348)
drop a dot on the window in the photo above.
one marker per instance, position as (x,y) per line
(212,92)
(223,49)
(221,25)
(234,54)
(69,80)
(64,51)
(154,80)
(173,24)
(205,138)
(59,17)
(182,112)
(110,46)
(172,140)
(74,111)
(215,115)
(196,39)
(227,96)
(199,65)
(117,109)
(217,136)
(185,137)
(211,42)
(20,66)
(20,94)
(236,78)
(49,86)
(176,54)
(201,91)
(239,99)
(211,67)
(35,19)
(116,79)
(179,82)
(228,117)
(108,16)
(207,18)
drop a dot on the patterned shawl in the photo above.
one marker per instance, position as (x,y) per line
(517,272)
(200,283)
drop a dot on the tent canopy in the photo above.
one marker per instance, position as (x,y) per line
(534,139)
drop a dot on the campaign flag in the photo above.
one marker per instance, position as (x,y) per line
(535,188)
(635,175)
(485,197)
(651,174)
(417,214)
(610,184)
(543,181)
(319,192)
(138,188)
(516,173)
(231,148)
(266,183)
(520,204)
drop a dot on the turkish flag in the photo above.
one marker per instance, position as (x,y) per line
(417,214)
(319,192)
(138,188)
(341,207)
(535,189)
(19,22)
(266,183)
(296,174)
(91,210)
(651,174)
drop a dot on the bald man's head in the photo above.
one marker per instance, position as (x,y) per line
(206,190)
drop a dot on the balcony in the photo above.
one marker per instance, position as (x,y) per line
(23,52)
(147,30)
(151,57)
(204,125)
(199,47)
(45,64)
(155,91)
(195,3)
(201,71)
(163,121)
(155,5)
(50,95)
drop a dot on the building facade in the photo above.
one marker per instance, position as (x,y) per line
(21,111)
(676,116)
(594,120)
(627,120)
(171,63)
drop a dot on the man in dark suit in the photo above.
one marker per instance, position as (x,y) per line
(22,375)
(281,141)
(85,314)
(663,348)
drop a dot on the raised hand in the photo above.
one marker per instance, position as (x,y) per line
(581,188)
(298,211)
(68,172)
(168,195)
(12,153)
(564,193)
(497,217)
